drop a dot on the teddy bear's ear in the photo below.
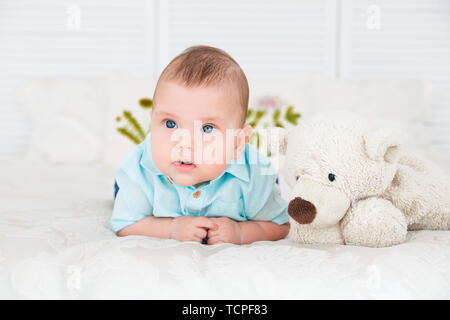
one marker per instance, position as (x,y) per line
(277,140)
(382,144)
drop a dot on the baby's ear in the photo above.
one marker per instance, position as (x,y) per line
(248,130)
(382,144)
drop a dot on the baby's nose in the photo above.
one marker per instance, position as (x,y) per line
(185,144)
(301,210)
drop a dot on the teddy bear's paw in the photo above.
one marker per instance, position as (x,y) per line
(304,233)
(374,222)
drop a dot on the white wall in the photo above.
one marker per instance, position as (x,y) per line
(272,38)
(412,41)
(280,38)
(66,38)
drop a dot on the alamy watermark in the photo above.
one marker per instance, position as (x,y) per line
(73,20)
(373,17)
(209,148)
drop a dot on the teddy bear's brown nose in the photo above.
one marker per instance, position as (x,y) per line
(301,210)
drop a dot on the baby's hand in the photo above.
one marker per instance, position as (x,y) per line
(188,228)
(228,231)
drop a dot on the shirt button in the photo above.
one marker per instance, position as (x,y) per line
(196,194)
(169,181)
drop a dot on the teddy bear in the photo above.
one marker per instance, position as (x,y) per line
(348,182)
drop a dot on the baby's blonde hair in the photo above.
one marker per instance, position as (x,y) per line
(207,66)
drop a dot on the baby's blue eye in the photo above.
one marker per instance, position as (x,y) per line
(170,124)
(208,128)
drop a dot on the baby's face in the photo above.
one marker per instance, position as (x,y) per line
(200,126)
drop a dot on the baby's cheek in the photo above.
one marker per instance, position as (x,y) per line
(215,151)
(161,149)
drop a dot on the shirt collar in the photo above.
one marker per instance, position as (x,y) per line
(236,167)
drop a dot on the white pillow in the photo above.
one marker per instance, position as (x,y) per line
(291,91)
(394,98)
(60,139)
(68,117)
(123,93)
(394,102)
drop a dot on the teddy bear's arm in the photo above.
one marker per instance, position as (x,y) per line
(305,233)
(374,222)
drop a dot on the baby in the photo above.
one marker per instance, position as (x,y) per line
(195,177)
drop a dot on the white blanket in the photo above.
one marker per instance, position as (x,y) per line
(55,242)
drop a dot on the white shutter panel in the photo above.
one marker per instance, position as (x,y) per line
(268,38)
(64,38)
(413,40)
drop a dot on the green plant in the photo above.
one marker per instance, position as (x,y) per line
(279,117)
(254,117)
(130,126)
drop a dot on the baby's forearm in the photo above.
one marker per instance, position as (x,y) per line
(157,227)
(252,231)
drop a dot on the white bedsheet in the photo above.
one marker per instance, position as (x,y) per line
(55,242)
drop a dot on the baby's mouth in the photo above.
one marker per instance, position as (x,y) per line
(184,166)
(183,162)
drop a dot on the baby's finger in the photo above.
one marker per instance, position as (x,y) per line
(197,239)
(201,233)
(206,223)
(215,240)
(212,233)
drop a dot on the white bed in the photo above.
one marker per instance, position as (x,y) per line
(55,242)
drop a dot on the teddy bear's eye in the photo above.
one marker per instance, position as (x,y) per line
(297,177)
(331,177)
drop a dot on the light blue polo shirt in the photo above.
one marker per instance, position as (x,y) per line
(246,190)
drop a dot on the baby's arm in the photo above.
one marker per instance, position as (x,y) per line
(245,232)
(184,228)
(150,226)
(133,215)
(252,231)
